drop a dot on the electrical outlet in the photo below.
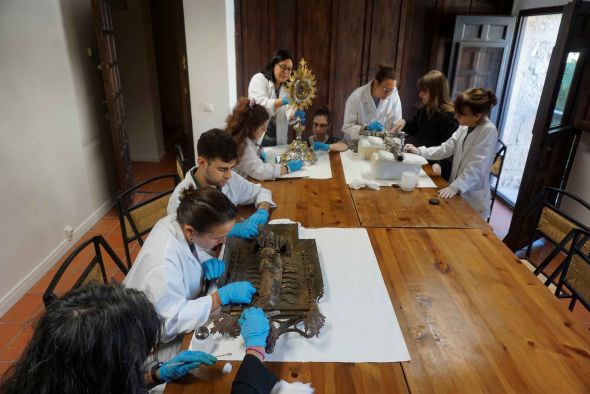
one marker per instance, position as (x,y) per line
(69,233)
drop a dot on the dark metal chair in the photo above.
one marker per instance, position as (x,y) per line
(496,172)
(576,271)
(137,219)
(556,226)
(181,162)
(95,270)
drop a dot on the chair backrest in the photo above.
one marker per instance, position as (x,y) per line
(554,223)
(180,162)
(138,219)
(93,271)
(576,271)
(498,162)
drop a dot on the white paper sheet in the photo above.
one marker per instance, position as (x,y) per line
(361,325)
(319,170)
(356,168)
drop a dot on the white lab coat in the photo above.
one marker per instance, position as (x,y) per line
(171,275)
(472,160)
(251,164)
(360,111)
(263,92)
(239,191)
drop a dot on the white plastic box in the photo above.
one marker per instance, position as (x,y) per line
(369,145)
(385,166)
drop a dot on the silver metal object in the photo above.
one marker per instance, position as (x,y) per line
(202,333)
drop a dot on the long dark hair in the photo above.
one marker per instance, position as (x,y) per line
(435,83)
(245,119)
(94,339)
(279,56)
(204,208)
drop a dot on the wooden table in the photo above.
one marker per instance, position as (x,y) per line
(474,317)
(314,202)
(393,207)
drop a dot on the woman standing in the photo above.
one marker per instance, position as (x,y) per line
(472,146)
(247,124)
(268,89)
(435,122)
(374,106)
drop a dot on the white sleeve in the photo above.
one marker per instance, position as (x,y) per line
(478,165)
(351,126)
(251,165)
(287,110)
(250,193)
(171,302)
(442,151)
(397,107)
(258,90)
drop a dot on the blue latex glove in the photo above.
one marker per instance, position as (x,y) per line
(243,229)
(321,146)
(263,156)
(285,100)
(301,115)
(213,268)
(294,165)
(236,293)
(259,217)
(254,327)
(375,126)
(183,363)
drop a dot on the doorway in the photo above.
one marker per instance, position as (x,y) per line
(536,39)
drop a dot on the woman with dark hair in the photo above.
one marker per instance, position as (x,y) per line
(435,122)
(247,124)
(374,106)
(268,89)
(472,145)
(178,256)
(96,339)
(321,138)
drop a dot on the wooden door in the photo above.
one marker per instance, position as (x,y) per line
(479,57)
(109,66)
(558,122)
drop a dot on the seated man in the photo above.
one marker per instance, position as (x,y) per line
(321,139)
(217,154)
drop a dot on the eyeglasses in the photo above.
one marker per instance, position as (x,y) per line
(285,68)
(386,90)
(320,125)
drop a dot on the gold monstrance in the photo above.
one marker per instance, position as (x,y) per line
(301,89)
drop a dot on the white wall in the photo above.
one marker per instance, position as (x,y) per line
(135,50)
(210,43)
(55,150)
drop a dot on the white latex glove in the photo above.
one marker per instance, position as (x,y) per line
(411,149)
(436,169)
(447,192)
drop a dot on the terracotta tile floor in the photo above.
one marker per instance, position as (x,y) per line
(16,326)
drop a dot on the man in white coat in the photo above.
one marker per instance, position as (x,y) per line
(177,257)
(217,154)
(375,106)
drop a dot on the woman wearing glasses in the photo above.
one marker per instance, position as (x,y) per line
(321,138)
(268,89)
(374,106)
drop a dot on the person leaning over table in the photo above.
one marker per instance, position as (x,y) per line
(435,122)
(321,140)
(268,88)
(473,146)
(96,339)
(247,124)
(375,106)
(178,256)
(217,153)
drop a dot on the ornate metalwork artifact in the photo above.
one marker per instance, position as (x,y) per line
(286,273)
(301,88)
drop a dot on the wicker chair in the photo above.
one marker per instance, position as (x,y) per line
(94,271)
(576,271)
(496,172)
(138,219)
(556,226)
